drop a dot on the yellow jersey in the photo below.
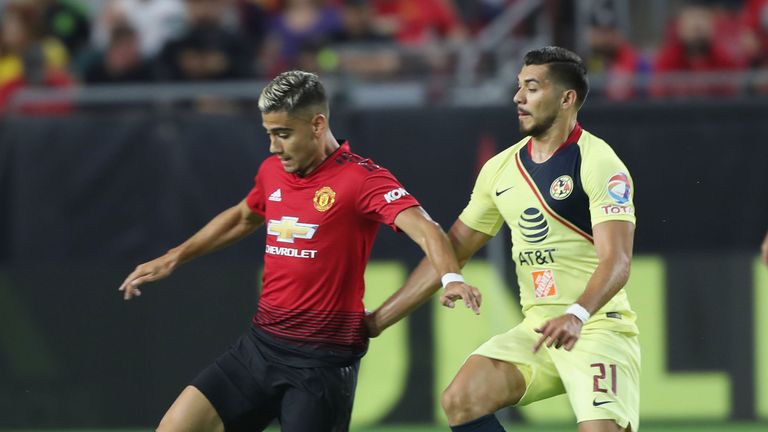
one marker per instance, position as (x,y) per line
(551,208)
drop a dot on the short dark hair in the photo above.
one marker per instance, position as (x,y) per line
(566,68)
(291,91)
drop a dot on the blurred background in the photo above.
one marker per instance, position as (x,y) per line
(125,125)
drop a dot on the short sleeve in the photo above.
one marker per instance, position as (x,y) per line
(256,199)
(382,198)
(609,187)
(481,214)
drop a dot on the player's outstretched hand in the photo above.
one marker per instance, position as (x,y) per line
(459,290)
(148,272)
(562,331)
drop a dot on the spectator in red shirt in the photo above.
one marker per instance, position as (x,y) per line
(28,59)
(693,47)
(613,58)
(755,18)
(415,22)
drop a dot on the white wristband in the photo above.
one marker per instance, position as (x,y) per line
(578,311)
(451,277)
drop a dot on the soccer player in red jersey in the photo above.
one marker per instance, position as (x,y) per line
(322,205)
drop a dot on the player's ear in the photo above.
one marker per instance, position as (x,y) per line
(319,123)
(569,99)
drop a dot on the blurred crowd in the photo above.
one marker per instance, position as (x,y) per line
(65,43)
(59,43)
(706,46)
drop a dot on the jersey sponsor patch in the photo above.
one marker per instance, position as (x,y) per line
(561,188)
(619,188)
(537,257)
(324,199)
(276,196)
(617,209)
(395,194)
(288,228)
(290,252)
(544,284)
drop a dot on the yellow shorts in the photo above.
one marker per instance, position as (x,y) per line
(601,375)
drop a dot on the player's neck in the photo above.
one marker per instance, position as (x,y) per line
(544,145)
(327,147)
(330,144)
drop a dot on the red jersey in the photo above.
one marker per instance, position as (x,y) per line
(320,230)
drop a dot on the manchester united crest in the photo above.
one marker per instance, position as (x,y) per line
(324,199)
(561,188)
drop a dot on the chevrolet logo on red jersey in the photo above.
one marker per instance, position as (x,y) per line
(288,228)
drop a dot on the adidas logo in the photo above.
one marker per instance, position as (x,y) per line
(276,196)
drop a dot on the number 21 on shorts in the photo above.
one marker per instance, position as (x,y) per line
(598,380)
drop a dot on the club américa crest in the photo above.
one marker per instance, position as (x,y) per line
(324,199)
(561,188)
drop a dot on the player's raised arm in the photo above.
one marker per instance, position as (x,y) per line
(613,243)
(226,228)
(444,255)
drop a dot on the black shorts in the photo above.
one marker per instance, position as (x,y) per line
(250,390)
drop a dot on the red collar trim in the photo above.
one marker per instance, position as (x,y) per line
(573,137)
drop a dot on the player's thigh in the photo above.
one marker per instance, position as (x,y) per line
(319,400)
(485,384)
(238,386)
(191,412)
(511,364)
(602,377)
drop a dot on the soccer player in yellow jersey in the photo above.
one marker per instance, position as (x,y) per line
(567,198)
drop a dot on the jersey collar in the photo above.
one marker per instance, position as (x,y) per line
(573,138)
(343,148)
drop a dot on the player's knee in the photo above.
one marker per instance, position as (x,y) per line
(602,426)
(449,400)
(462,406)
(455,400)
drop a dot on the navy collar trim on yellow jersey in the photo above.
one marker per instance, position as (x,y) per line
(572,212)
